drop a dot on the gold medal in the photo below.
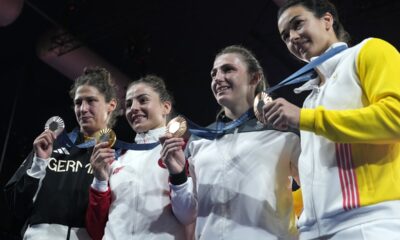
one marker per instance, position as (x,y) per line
(177,126)
(259,102)
(55,124)
(105,135)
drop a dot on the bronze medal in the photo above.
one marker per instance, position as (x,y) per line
(55,124)
(259,102)
(105,135)
(177,126)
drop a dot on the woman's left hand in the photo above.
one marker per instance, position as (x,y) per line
(102,157)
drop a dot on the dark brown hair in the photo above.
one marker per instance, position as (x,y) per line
(101,79)
(319,8)
(158,85)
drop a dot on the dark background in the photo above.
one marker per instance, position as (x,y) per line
(175,39)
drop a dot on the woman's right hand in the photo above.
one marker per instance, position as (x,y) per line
(172,153)
(43,144)
(101,159)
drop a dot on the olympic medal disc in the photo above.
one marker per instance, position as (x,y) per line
(55,124)
(177,126)
(105,135)
(259,102)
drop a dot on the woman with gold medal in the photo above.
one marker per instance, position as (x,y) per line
(240,179)
(50,189)
(129,197)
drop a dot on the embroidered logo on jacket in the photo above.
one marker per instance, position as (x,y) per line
(61,150)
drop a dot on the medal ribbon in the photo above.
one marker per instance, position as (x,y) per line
(221,127)
(70,139)
(307,72)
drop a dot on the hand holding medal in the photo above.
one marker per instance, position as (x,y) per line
(102,156)
(259,101)
(172,153)
(43,144)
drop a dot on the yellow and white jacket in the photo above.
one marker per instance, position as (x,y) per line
(350,137)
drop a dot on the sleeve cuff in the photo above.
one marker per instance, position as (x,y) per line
(307,119)
(100,186)
(38,168)
(180,188)
(179,178)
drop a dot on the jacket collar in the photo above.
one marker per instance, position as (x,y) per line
(150,136)
(325,69)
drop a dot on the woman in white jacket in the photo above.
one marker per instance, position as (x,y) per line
(240,182)
(129,197)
